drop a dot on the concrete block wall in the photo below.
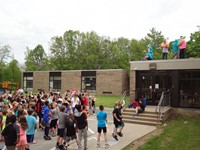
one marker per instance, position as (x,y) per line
(70,80)
(113,81)
(132,84)
(110,82)
(40,81)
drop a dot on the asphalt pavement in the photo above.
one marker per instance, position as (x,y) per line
(131,132)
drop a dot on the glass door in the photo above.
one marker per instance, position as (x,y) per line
(152,84)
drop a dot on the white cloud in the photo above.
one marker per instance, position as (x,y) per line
(28,23)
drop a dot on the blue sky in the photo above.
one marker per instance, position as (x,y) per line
(27,23)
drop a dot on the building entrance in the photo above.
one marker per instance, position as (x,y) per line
(152,84)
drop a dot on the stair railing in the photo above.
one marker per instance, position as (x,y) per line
(122,99)
(163,103)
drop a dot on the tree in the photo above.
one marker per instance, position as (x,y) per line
(12,72)
(4,52)
(4,55)
(155,38)
(36,59)
(193,48)
(136,49)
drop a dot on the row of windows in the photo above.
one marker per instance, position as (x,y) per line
(54,81)
(87,83)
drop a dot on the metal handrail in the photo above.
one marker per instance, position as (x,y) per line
(162,104)
(122,100)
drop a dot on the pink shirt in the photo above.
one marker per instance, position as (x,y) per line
(182,44)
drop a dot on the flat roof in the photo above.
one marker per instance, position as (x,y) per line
(75,70)
(169,64)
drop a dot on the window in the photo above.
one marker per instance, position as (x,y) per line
(28,81)
(189,88)
(55,81)
(88,81)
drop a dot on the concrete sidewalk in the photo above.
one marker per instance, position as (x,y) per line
(131,132)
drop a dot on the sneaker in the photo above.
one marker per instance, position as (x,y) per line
(34,142)
(115,137)
(61,147)
(107,145)
(57,145)
(47,138)
(120,134)
(98,145)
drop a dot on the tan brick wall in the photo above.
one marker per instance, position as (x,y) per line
(132,84)
(111,81)
(125,81)
(40,80)
(114,81)
(70,80)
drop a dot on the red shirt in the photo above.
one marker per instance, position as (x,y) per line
(85,101)
(136,104)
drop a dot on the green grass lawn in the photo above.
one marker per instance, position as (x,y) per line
(106,101)
(182,133)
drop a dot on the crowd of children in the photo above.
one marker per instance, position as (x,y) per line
(64,116)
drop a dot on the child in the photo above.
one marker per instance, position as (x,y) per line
(82,125)
(3,121)
(61,126)
(4,112)
(121,124)
(93,104)
(46,120)
(102,119)
(10,133)
(30,131)
(71,131)
(54,114)
(140,108)
(117,119)
(84,110)
(23,126)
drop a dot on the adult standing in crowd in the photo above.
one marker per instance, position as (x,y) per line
(165,48)
(175,49)
(182,47)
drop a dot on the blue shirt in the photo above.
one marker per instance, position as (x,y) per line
(46,114)
(31,121)
(144,101)
(175,46)
(149,54)
(101,117)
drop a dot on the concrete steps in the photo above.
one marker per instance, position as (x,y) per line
(149,117)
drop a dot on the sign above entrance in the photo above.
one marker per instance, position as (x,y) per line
(152,66)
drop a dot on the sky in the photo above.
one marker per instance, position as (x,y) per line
(27,23)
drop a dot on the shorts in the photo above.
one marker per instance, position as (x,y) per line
(68,138)
(10,147)
(93,103)
(119,124)
(61,132)
(99,129)
(53,123)
(30,138)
